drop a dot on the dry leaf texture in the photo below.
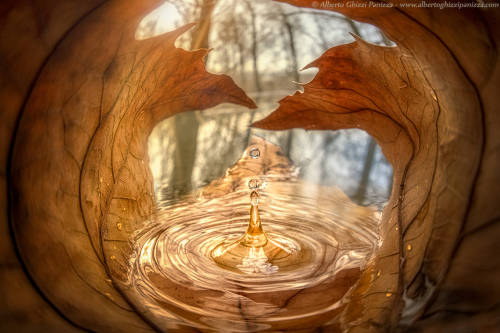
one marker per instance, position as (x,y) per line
(80,96)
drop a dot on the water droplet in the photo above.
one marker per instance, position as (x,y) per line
(254,184)
(124,209)
(254,198)
(397,228)
(119,226)
(409,247)
(112,257)
(388,294)
(254,153)
(100,180)
(433,94)
(378,273)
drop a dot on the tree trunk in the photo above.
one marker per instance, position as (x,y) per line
(293,49)
(367,168)
(186,135)
(186,125)
(255,54)
(202,31)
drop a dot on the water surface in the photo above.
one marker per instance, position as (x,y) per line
(176,284)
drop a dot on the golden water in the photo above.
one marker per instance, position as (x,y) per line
(257,252)
(195,268)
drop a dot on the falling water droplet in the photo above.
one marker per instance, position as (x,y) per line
(254,153)
(254,184)
(409,247)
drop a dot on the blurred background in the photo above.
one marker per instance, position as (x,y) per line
(262,45)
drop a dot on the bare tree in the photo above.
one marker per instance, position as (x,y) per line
(243,34)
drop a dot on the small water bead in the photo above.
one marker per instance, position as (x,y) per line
(254,153)
(433,94)
(254,184)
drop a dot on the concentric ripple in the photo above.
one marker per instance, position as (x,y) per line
(176,284)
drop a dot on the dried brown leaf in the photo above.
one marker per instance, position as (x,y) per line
(425,101)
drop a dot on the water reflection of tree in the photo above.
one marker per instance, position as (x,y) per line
(260,44)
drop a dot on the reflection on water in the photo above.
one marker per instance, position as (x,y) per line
(190,150)
(175,282)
